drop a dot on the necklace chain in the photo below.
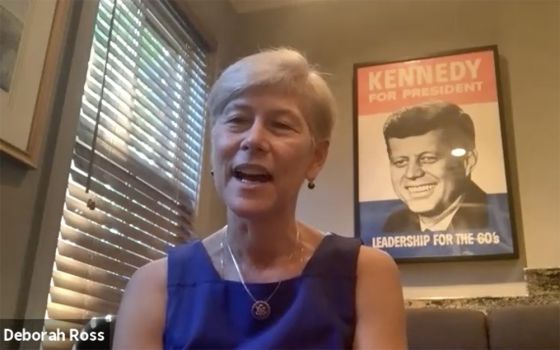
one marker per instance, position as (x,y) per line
(243,280)
(260,308)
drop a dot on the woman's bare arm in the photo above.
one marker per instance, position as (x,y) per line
(379,303)
(141,316)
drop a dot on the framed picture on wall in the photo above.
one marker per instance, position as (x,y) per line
(431,174)
(31,44)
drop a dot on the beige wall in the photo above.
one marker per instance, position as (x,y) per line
(337,34)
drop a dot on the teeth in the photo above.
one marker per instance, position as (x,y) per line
(251,178)
(420,189)
(251,173)
(251,169)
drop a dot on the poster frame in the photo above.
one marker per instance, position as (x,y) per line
(514,254)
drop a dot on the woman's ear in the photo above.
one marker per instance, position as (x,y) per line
(320,152)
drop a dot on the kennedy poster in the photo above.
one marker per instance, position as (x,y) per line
(431,172)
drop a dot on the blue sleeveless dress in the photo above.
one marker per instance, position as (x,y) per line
(315,310)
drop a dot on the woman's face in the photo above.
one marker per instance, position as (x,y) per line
(262,152)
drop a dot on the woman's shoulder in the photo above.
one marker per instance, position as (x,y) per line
(153,272)
(147,283)
(379,302)
(140,323)
(374,260)
(369,258)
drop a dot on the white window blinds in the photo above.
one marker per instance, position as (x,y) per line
(134,178)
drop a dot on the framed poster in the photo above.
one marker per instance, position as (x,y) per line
(30,48)
(431,179)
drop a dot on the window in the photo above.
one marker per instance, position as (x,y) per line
(134,179)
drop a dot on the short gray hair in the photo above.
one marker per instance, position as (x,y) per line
(284,69)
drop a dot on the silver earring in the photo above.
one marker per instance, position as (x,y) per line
(310,184)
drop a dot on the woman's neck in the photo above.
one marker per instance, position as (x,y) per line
(262,242)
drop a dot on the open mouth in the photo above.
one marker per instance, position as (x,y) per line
(251,173)
(420,189)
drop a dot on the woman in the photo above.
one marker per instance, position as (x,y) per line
(266,280)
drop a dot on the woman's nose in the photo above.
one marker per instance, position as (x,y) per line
(414,170)
(256,138)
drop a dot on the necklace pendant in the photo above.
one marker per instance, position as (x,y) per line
(260,310)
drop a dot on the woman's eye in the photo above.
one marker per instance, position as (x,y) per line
(282,125)
(236,120)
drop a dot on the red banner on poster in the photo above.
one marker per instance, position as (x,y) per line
(461,79)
